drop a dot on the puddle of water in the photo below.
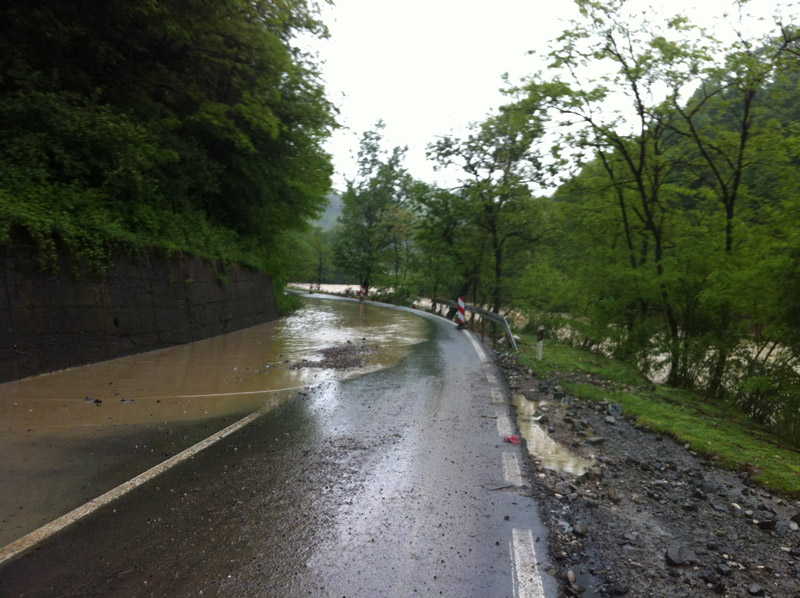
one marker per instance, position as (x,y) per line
(62,432)
(540,446)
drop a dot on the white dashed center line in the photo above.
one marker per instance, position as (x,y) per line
(527,579)
(504,427)
(511,472)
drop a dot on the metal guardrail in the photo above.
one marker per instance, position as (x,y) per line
(484,313)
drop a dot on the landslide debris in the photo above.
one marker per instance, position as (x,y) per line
(651,518)
(347,356)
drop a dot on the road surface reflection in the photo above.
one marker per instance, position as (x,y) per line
(68,436)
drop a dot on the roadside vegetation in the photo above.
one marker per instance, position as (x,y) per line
(718,430)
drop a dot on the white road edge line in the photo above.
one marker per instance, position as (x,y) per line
(478,349)
(504,425)
(491,378)
(497,395)
(527,579)
(511,471)
(25,542)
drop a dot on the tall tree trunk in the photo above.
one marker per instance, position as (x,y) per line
(498,276)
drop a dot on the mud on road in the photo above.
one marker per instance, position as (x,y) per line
(649,518)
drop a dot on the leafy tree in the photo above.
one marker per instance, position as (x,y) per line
(448,262)
(166,112)
(376,224)
(677,225)
(499,163)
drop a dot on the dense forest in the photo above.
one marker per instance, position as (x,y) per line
(187,126)
(638,197)
(672,238)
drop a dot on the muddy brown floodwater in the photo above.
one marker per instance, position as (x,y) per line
(69,436)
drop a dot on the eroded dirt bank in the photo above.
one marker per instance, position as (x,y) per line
(649,518)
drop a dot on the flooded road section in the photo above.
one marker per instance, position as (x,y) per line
(394,483)
(69,436)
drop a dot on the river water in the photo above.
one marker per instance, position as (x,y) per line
(68,436)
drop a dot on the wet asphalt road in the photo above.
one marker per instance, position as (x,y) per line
(392,484)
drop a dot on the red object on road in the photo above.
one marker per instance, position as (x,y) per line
(513,439)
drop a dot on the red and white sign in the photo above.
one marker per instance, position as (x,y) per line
(462,316)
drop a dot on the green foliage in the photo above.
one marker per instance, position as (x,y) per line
(376,228)
(558,358)
(673,233)
(190,126)
(497,214)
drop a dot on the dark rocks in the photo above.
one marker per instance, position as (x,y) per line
(755,589)
(342,357)
(563,488)
(679,555)
(580,529)
(615,410)
(659,520)
(590,475)
(619,589)
(764,520)
(723,570)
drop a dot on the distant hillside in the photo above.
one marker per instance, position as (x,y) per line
(332,212)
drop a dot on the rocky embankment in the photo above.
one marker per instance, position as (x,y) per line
(651,518)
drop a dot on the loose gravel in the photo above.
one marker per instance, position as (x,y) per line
(651,518)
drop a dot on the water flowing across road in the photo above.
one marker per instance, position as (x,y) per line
(69,436)
(395,482)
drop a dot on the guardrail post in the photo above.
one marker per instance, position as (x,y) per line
(539,342)
(462,315)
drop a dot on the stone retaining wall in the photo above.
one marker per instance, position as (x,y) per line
(50,321)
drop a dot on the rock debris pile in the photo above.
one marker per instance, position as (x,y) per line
(651,518)
(342,357)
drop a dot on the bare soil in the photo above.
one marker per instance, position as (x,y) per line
(651,518)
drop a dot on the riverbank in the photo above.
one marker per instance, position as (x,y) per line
(681,500)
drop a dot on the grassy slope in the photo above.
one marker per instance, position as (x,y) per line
(714,429)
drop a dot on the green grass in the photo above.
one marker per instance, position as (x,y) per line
(717,430)
(561,358)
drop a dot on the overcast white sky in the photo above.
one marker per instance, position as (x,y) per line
(430,67)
